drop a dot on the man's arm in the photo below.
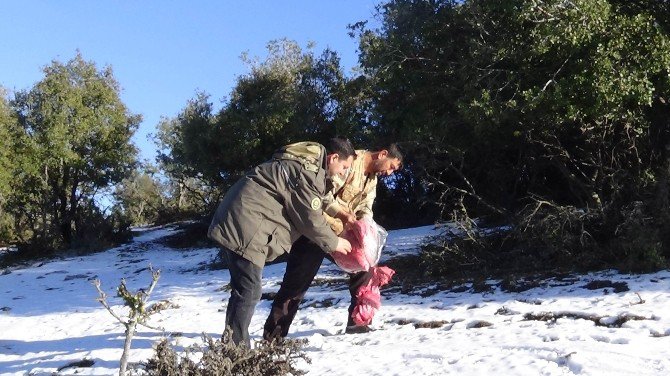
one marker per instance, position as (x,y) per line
(330,204)
(304,208)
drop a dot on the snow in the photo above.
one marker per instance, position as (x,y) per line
(49,317)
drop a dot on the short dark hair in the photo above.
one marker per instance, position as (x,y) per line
(395,151)
(340,146)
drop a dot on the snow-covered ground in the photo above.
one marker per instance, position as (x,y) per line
(49,317)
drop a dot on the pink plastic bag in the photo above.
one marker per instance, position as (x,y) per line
(367,239)
(368,298)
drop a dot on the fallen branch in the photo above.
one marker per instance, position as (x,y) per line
(608,321)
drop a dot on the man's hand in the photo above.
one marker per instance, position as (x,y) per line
(343,246)
(347,218)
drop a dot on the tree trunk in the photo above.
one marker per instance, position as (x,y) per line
(45,203)
(662,201)
(65,220)
(660,115)
(140,212)
(180,201)
(74,203)
(130,332)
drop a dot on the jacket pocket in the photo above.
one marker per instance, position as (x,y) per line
(348,193)
(269,239)
(251,238)
(281,239)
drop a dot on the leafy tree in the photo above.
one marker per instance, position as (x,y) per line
(531,108)
(291,96)
(7,124)
(190,156)
(413,65)
(74,141)
(141,197)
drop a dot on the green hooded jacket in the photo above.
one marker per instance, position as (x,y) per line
(274,204)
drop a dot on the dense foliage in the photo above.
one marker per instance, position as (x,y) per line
(7,122)
(550,114)
(69,140)
(141,196)
(291,96)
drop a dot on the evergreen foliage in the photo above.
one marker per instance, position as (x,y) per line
(7,125)
(539,112)
(141,197)
(70,142)
(547,115)
(291,96)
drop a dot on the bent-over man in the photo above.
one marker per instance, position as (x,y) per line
(270,208)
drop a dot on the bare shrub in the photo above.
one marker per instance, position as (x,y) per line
(224,358)
(560,235)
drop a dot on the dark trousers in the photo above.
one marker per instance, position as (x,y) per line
(245,283)
(302,265)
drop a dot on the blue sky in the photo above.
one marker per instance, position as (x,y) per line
(163,52)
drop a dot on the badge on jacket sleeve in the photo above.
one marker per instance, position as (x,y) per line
(316,203)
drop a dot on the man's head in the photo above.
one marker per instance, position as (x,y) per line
(385,161)
(340,155)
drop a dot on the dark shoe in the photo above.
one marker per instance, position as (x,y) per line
(353,329)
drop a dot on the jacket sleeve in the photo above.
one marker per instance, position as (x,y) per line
(304,207)
(330,205)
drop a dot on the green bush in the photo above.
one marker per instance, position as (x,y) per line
(639,246)
(550,237)
(562,236)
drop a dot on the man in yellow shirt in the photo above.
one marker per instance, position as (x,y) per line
(350,198)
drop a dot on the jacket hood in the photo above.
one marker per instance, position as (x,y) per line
(310,154)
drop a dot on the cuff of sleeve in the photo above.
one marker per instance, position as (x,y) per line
(330,244)
(333,209)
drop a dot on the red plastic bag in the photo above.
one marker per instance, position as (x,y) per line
(367,239)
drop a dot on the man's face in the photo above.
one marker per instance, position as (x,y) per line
(385,165)
(338,166)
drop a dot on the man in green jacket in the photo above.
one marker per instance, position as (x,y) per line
(270,208)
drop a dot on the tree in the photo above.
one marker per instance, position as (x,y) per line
(141,197)
(289,97)
(191,157)
(413,67)
(7,125)
(522,107)
(6,121)
(75,141)
(139,311)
